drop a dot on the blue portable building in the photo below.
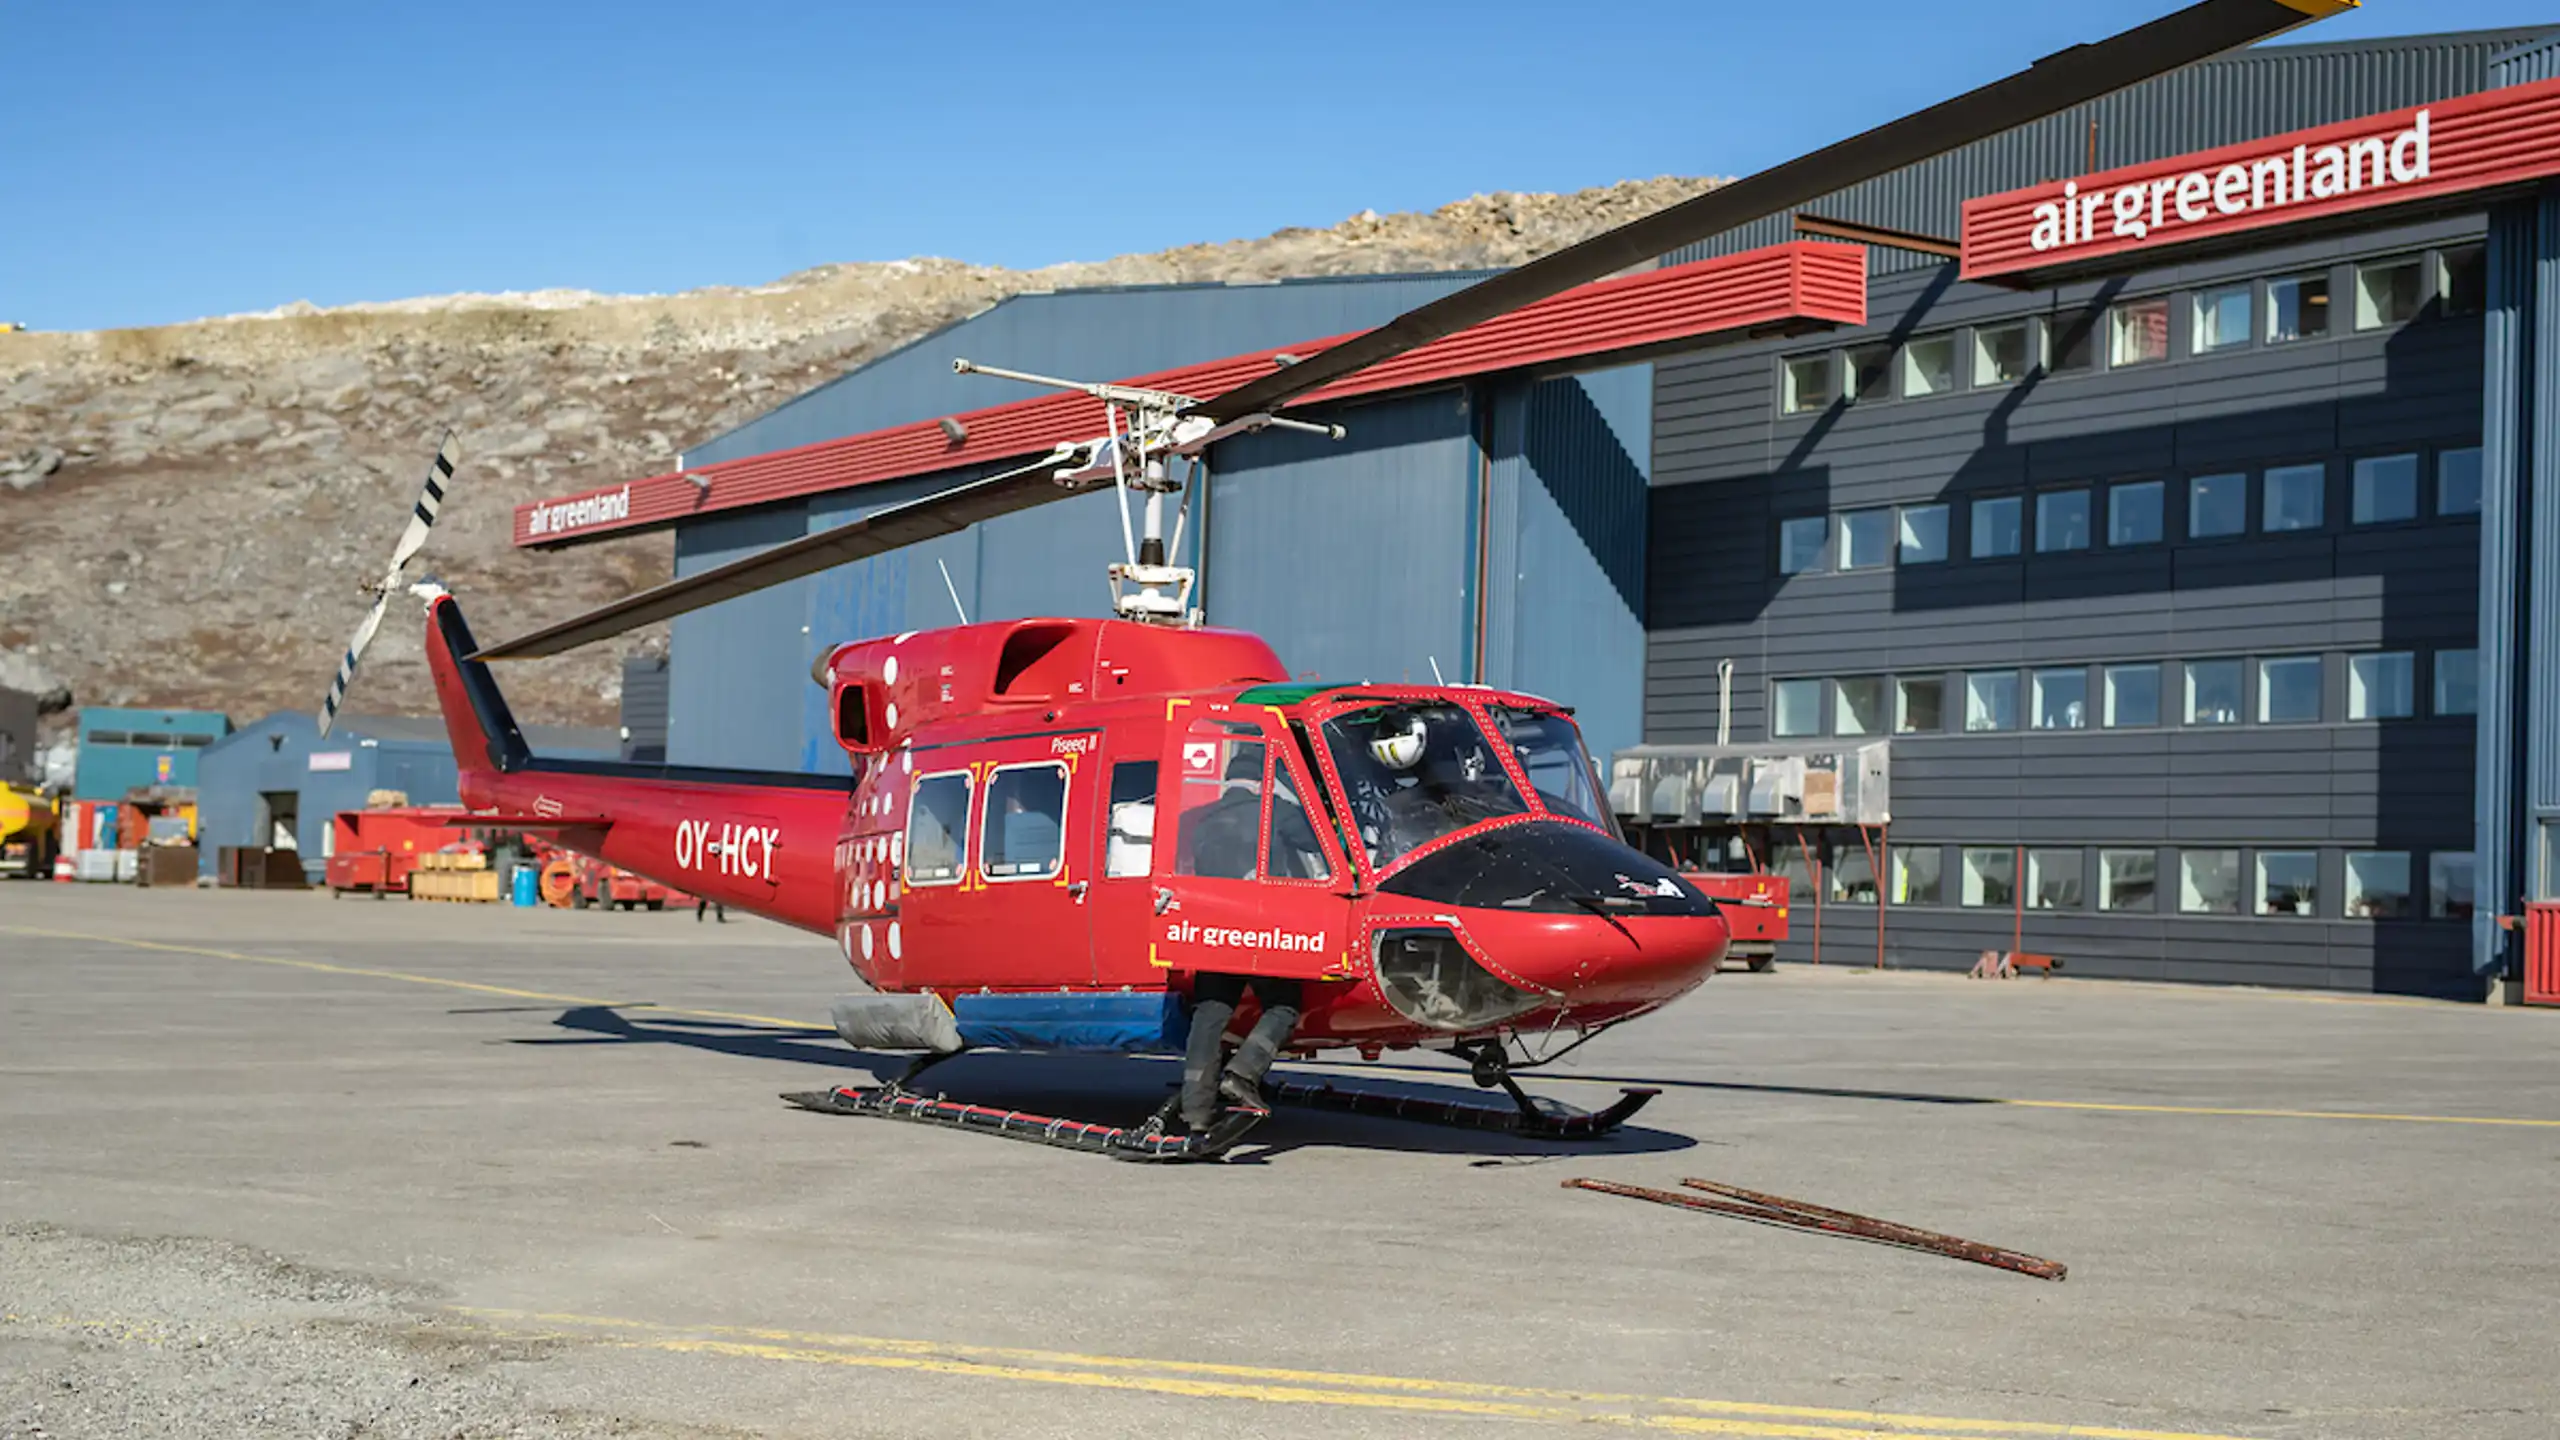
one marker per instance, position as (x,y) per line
(119,750)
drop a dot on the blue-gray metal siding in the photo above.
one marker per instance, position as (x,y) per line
(2265,91)
(274,755)
(1354,558)
(1727,465)
(741,666)
(644,709)
(1107,333)
(1564,609)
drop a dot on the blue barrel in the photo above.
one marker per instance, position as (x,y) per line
(527,886)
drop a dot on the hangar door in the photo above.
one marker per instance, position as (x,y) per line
(1354,557)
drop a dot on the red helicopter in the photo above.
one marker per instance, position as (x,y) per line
(1056,827)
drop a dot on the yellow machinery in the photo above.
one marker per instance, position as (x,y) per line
(27,828)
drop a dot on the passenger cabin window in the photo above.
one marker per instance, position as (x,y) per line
(938,830)
(1025,825)
(1129,848)
(1220,834)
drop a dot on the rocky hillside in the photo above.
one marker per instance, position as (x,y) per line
(187,512)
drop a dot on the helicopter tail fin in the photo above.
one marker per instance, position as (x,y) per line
(483,730)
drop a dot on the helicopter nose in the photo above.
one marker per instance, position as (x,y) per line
(1653,959)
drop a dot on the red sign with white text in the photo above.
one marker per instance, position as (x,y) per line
(2455,147)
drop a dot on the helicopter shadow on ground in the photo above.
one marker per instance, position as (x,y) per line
(1105,1089)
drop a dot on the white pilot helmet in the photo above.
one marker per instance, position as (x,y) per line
(1399,740)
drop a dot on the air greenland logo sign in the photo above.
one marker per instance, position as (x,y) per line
(2457,153)
(553,517)
(2159,206)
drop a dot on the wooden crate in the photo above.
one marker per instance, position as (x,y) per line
(476,886)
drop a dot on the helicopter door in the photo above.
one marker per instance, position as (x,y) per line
(1242,882)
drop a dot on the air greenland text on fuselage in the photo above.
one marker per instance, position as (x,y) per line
(2304,174)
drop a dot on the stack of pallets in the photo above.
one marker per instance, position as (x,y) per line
(461,877)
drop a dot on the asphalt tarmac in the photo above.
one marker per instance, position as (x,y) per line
(273,1164)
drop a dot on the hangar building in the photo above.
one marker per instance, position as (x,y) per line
(2170,533)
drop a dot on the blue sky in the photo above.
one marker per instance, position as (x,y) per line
(164,161)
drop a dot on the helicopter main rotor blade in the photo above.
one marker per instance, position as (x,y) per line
(2050,85)
(944,512)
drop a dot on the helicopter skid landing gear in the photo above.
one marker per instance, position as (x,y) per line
(1535,1118)
(1149,1141)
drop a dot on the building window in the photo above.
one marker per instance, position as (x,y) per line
(1870,372)
(1789,859)
(1929,365)
(2127,880)
(2457,682)
(2289,882)
(1996,526)
(2209,882)
(1866,539)
(2289,690)
(2386,489)
(2387,293)
(1851,877)
(2458,481)
(2062,520)
(2070,343)
(1924,534)
(1808,383)
(1915,875)
(1800,543)
(2213,692)
(2217,505)
(1919,706)
(2294,497)
(2378,885)
(2133,696)
(1795,709)
(2053,879)
(2297,308)
(1991,700)
(2382,687)
(2222,318)
(1991,878)
(2001,354)
(2134,513)
(1858,707)
(2137,333)
(2062,699)
(2449,885)
(2462,280)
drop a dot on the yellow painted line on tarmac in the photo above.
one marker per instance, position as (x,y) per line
(2255,1114)
(328,968)
(407,977)
(1269,1385)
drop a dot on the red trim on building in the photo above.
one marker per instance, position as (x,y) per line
(2423,155)
(1610,321)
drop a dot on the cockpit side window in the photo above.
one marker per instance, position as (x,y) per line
(1289,839)
(1549,749)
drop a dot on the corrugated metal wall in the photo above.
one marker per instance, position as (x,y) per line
(740,667)
(1728,464)
(1354,558)
(2260,92)
(1571,461)
(274,755)
(2515,768)
(1108,333)
(644,709)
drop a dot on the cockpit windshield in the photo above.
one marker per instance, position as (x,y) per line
(1415,772)
(1549,749)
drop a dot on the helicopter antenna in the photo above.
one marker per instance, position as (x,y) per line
(1436,677)
(952,589)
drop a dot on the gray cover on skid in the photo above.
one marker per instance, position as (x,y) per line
(896,1022)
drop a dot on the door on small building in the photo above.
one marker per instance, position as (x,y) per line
(280,819)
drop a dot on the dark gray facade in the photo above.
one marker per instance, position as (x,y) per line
(2360,582)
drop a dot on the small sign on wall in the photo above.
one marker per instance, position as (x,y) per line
(332,760)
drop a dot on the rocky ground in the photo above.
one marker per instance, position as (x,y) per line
(187,511)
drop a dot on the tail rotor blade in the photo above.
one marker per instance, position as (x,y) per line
(347,664)
(423,517)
